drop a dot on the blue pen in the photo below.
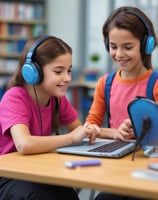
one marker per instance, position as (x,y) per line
(82,163)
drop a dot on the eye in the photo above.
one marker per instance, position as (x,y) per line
(112,46)
(58,72)
(69,71)
(128,47)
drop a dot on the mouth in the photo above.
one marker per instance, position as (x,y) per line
(122,62)
(63,87)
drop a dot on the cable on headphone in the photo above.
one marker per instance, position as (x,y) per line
(38,109)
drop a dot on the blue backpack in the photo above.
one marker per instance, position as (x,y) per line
(110,77)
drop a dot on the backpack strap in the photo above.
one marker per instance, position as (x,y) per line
(149,90)
(150,85)
(107,89)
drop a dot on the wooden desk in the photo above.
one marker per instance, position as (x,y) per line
(114,175)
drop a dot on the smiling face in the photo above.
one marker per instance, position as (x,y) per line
(125,50)
(57,77)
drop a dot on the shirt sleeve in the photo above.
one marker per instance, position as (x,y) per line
(98,108)
(13,111)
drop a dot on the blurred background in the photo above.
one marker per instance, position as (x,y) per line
(79,23)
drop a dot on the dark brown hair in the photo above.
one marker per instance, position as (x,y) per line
(45,53)
(121,19)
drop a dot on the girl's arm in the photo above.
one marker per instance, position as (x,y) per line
(27,144)
(73,125)
(124,132)
(104,133)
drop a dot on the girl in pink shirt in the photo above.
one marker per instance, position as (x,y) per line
(33,109)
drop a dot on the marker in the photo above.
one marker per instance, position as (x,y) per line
(82,163)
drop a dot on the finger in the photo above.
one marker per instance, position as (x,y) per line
(92,138)
(128,123)
(118,137)
(97,129)
(122,132)
(91,135)
(86,124)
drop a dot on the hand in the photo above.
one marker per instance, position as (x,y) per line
(82,132)
(125,131)
(95,128)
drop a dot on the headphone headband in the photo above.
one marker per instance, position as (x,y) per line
(35,45)
(148,41)
(142,19)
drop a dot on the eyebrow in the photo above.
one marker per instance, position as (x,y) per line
(128,43)
(61,67)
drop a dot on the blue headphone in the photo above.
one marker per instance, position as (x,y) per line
(31,71)
(148,42)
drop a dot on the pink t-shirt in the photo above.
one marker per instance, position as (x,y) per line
(17,107)
(122,92)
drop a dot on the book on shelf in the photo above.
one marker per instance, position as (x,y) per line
(21,10)
(38,29)
(3,28)
(8,65)
(19,21)
(12,47)
(22,31)
(3,47)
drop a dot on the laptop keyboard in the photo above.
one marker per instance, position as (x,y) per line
(110,147)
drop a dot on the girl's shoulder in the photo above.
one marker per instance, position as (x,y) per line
(101,81)
(16,92)
(106,79)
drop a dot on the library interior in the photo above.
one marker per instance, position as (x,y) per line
(79,23)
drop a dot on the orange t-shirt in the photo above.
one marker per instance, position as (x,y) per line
(122,92)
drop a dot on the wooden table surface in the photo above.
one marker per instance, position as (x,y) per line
(113,175)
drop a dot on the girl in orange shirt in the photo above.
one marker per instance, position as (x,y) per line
(129,38)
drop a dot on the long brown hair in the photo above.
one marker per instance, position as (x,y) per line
(121,19)
(45,53)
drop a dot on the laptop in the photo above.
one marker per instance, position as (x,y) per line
(100,148)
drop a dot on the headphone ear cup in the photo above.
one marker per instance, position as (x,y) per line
(107,44)
(32,73)
(148,44)
(40,72)
(143,44)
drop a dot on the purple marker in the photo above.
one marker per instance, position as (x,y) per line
(82,163)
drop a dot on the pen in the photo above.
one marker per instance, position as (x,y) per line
(82,163)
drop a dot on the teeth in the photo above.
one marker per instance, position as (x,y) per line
(122,61)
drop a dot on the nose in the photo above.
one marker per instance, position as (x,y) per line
(67,77)
(119,52)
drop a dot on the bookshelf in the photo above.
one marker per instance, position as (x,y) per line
(19,21)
